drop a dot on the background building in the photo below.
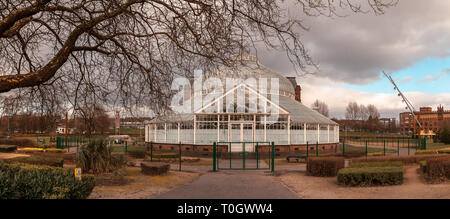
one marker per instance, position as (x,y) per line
(430,120)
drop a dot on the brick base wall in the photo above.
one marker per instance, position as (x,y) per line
(207,150)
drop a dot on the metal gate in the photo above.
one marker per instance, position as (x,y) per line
(251,156)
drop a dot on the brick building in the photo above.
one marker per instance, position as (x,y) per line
(430,120)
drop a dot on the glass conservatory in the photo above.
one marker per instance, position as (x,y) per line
(245,112)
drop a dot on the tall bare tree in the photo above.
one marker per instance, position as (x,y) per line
(92,119)
(321,107)
(372,111)
(127,51)
(352,111)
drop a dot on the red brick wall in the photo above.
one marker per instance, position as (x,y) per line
(224,148)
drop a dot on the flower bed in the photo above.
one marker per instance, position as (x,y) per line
(49,161)
(23,181)
(422,152)
(51,150)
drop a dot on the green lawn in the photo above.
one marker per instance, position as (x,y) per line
(369,150)
(371,134)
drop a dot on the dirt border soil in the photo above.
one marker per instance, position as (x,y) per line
(414,187)
(143,187)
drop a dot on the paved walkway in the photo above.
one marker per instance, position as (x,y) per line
(231,184)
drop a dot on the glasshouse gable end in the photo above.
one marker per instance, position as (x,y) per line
(246,113)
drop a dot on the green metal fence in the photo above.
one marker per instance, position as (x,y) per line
(157,155)
(68,142)
(225,159)
(381,147)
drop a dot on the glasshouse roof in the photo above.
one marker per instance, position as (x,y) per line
(251,68)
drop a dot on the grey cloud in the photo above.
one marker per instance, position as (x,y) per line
(356,48)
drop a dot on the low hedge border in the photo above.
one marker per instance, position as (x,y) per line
(423,166)
(324,166)
(437,170)
(404,159)
(49,161)
(24,181)
(370,176)
(444,151)
(8,148)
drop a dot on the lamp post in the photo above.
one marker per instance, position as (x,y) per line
(9,129)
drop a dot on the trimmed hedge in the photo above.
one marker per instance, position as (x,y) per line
(438,169)
(444,151)
(8,148)
(423,166)
(25,142)
(370,176)
(49,161)
(324,166)
(23,181)
(404,159)
(376,164)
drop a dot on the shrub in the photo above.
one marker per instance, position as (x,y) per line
(96,157)
(19,142)
(444,151)
(24,181)
(376,164)
(423,166)
(438,169)
(444,134)
(369,176)
(404,159)
(324,166)
(426,152)
(8,148)
(49,161)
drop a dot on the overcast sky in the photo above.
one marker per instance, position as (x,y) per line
(411,41)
